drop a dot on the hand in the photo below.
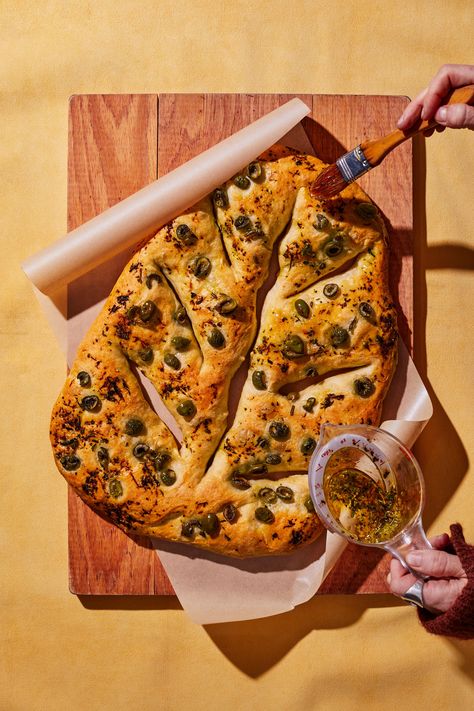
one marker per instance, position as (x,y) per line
(429,103)
(448,575)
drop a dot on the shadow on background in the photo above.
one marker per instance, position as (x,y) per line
(439,436)
(129,602)
(255,646)
(450,256)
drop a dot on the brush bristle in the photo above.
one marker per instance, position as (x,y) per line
(328,183)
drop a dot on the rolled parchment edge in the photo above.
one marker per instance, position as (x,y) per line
(139,215)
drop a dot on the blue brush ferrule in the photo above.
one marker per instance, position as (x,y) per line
(353,164)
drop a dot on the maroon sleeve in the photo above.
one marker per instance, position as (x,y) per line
(458,621)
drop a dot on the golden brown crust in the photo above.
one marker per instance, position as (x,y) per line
(321,354)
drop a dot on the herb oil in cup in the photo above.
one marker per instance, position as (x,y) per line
(368,487)
(363,508)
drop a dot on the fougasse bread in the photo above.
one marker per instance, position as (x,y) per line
(184,313)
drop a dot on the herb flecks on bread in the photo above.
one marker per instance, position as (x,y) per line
(183,312)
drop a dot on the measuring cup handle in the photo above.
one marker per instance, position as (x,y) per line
(412,539)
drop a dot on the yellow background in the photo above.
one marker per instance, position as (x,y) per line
(334,653)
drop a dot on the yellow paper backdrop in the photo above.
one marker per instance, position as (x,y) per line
(332,653)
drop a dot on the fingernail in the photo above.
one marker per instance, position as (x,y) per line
(401,120)
(413,559)
(442,114)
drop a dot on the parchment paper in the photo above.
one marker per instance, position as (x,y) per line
(210,587)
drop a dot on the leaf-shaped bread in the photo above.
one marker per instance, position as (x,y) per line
(184,312)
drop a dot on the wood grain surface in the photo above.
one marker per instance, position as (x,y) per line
(118,144)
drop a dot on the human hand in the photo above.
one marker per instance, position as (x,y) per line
(447,580)
(429,103)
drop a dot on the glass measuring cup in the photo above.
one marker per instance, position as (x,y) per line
(368,487)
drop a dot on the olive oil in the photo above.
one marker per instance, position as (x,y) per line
(367,511)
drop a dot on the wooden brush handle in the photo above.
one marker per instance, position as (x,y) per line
(376,150)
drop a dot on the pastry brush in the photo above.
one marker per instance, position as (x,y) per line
(369,154)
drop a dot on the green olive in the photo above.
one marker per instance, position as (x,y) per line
(308,445)
(216,338)
(268,495)
(366,310)
(185,235)
(308,502)
(352,325)
(91,403)
(254,170)
(331,291)
(103,457)
(242,223)
(226,305)
(259,380)
(70,462)
(187,528)
(239,482)
(210,524)
(334,247)
(230,513)
(284,493)
(151,278)
(309,404)
(242,469)
(172,361)
(115,488)
(182,230)
(257,470)
(168,477)
(84,379)
(140,450)
(366,210)
(254,234)
(201,266)
(160,460)
(146,355)
(293,347)
(321,221)
(364,387)
(241,181)
(339,336)
(186,409)
(180,316)
(302,308)
(263,514)
(147,311)
(279,430)
(132,313)
(134,427)
(273,458)
(219,198)
(307,250)
(180,343)
(73,442)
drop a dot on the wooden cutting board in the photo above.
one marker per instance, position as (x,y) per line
(118,144)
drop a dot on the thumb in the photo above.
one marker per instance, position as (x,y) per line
(437,564)
(456,116)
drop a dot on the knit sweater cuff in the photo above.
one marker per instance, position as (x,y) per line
(458,621)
